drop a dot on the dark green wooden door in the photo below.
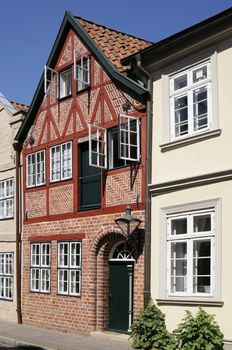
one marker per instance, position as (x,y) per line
(89,181)
(120,296)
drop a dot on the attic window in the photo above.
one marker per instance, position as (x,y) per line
(50,81)
(81,70)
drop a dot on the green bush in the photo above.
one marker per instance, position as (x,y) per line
(149,331)
(197,333)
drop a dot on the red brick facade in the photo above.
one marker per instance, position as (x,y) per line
(51,211)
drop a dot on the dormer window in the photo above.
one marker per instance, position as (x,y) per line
(81,71)
(65,83)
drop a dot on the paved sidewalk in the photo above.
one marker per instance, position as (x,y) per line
(35,338)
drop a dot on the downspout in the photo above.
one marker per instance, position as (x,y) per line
(147,267)
(18,148)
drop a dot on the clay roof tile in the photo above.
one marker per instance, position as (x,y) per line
(114,44)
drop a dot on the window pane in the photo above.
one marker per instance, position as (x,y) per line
(179,267)
(45,280)
(55,163)
(181,116)
(202,223)
(75,282)
(200,108)
(75,255)
(199,74)
(180,82)
(201,266)
(179,226)
(66,83)
(63,281)
(66,160)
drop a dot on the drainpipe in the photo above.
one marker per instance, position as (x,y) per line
(18,148)
(147,273)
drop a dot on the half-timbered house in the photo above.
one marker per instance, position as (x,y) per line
(83,157)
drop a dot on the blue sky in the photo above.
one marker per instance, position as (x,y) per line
(28,29)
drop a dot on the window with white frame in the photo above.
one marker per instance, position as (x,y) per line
(69,268)
(190,101)
(7,199)
(116,147)
(81,71)
(40,267)
(191,253)
(50,81)
(61,162)
(6,276)
(35,169)
(65,83)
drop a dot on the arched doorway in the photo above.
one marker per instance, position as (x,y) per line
(121,273)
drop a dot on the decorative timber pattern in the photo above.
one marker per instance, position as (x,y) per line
(60,120)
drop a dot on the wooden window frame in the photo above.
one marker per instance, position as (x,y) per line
(189,238)
(35,166)
(188,92)
(40,267)
(6,275)
(69,268)
(60,148)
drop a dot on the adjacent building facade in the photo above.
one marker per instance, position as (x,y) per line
(11,115)
(83,161)
(191,186)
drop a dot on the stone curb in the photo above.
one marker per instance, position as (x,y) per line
(15,342)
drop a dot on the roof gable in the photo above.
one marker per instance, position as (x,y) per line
(86,30)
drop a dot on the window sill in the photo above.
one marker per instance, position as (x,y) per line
(190,302)
(189,140)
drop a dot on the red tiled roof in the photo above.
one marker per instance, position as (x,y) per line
(115,45)
(19,106)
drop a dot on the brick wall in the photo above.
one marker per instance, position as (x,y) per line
(90,311)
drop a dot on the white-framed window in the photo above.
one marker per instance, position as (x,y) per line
(116,147)
(190,101)
(7,199)
(6,276)
(35,169)
(50,81)
(97,146)
(65,83)
(191,253)
(61,162)
(69,268)
(40,267)
(81,70)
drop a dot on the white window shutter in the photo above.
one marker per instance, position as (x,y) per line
(129,138)
(50,81)
(97,147)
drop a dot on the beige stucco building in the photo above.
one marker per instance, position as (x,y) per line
(11,115)
(191,172)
